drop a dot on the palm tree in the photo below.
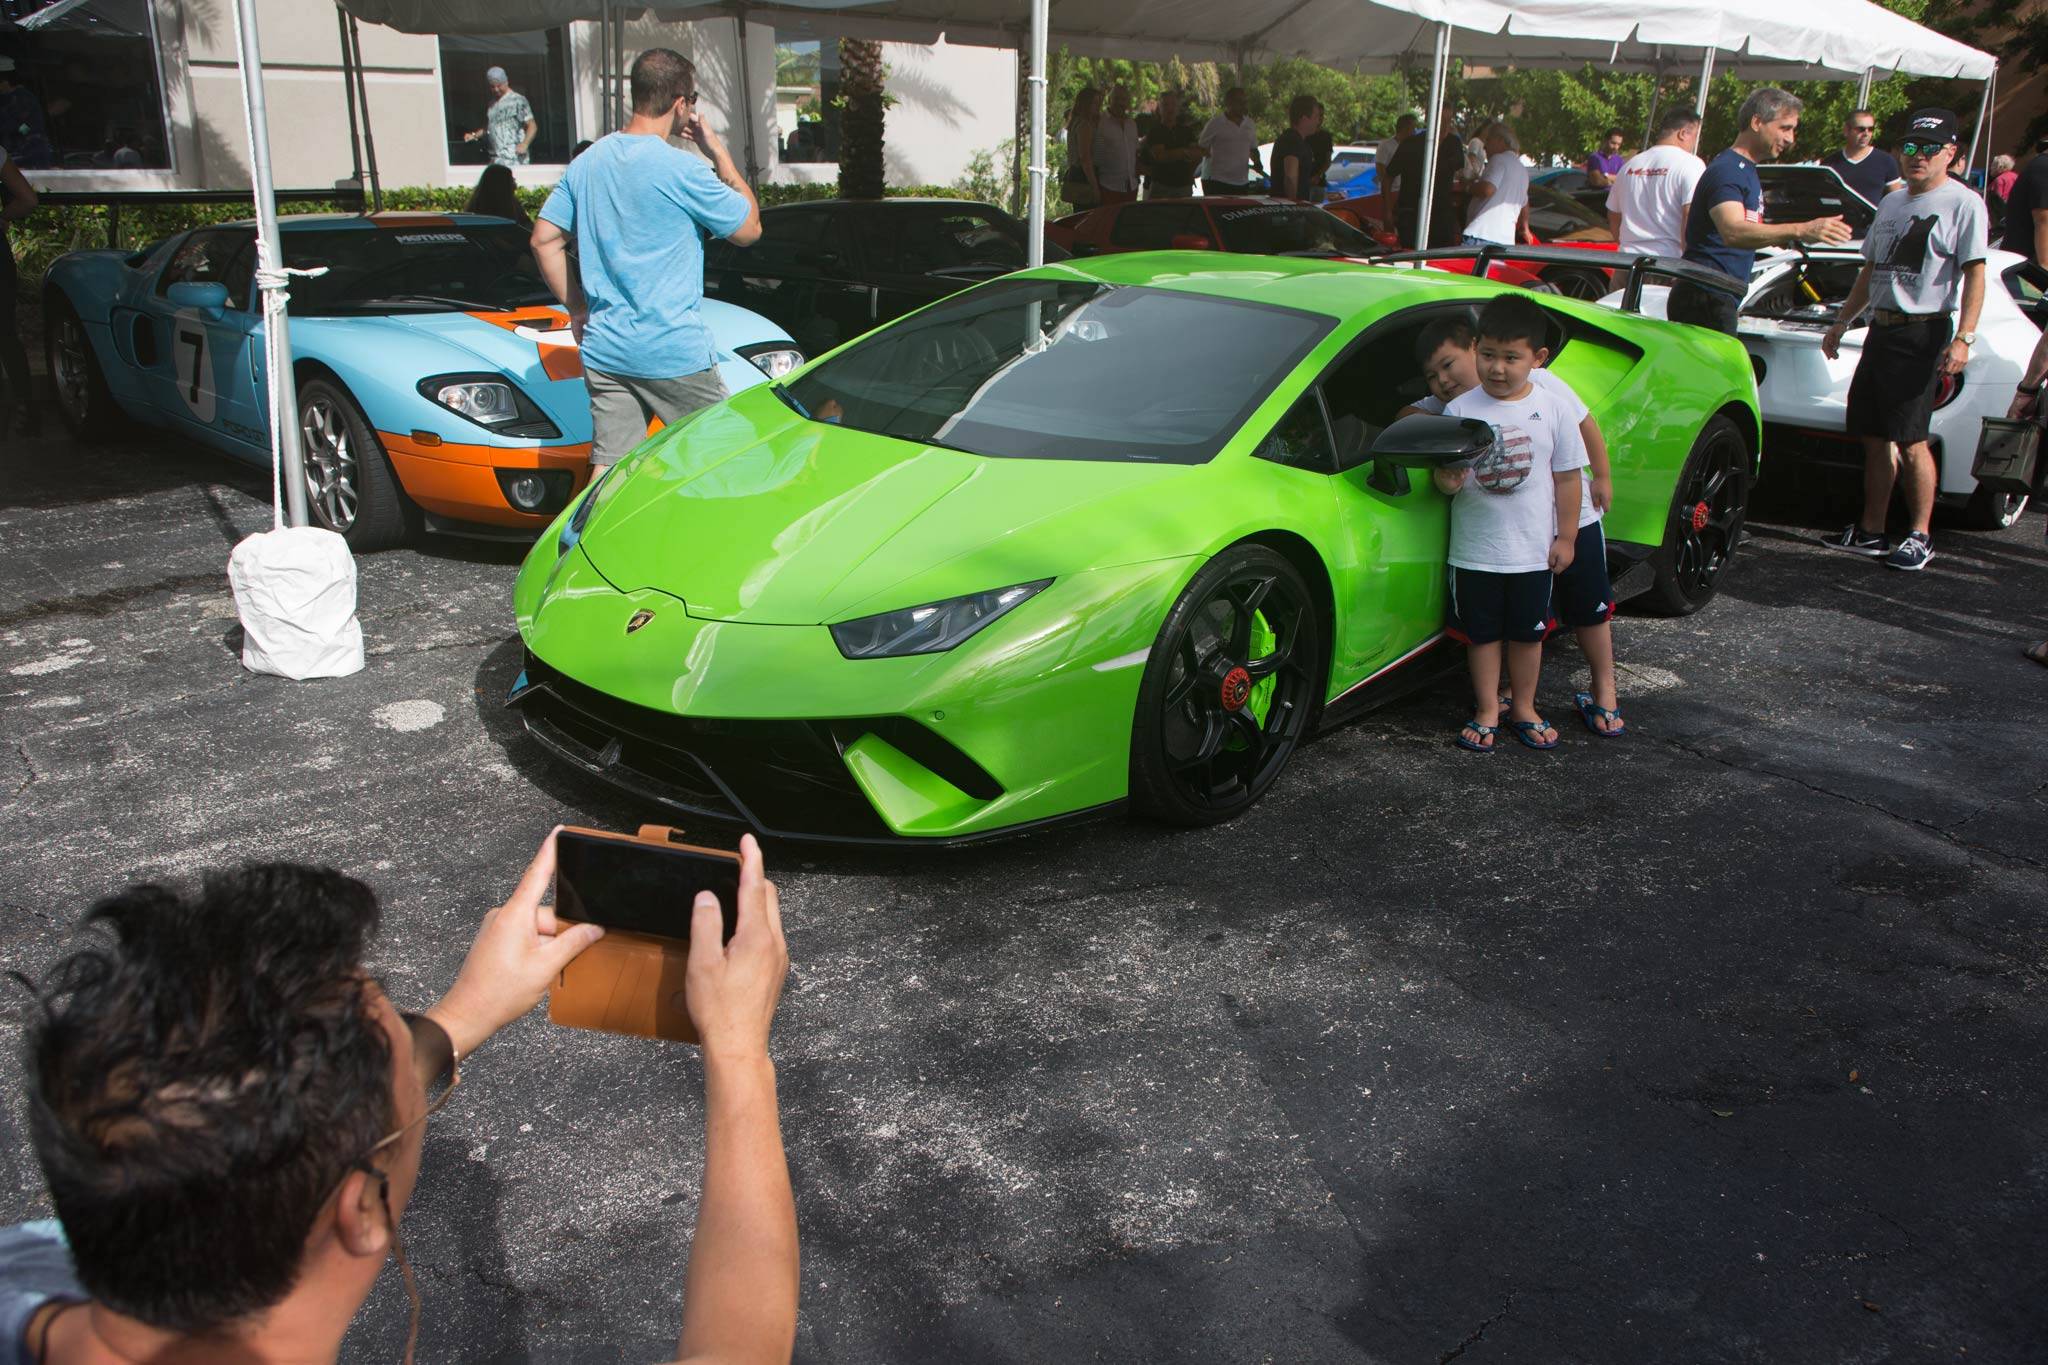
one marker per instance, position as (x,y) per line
(861,78)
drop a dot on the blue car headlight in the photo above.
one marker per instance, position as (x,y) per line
(773,358)
(929,629)
(491,401)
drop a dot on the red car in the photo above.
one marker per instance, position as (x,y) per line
(1258,227)
(1555,219)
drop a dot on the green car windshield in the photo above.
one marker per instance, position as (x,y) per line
(1065,370)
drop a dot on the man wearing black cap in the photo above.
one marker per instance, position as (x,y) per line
(1925,252)
(2026,209)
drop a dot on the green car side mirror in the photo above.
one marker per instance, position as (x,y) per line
(1424,442)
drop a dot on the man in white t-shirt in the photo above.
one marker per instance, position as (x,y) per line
(1514,520)
(1501,196)
(1649,201)
(1232,143)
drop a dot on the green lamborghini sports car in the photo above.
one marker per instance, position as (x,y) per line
(1112,532)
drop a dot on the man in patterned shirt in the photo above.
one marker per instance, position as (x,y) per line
(509,127)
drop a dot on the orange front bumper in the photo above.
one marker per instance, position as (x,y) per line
(459,481)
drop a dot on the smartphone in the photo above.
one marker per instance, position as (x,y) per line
(641,888)
(640,885)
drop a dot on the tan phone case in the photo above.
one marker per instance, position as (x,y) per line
(627,982)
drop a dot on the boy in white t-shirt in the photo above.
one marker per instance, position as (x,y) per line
(1511,527)
(1585,596)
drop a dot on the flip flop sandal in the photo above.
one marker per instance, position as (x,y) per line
(1590,714)
(1483,731)
(2038,653)
(1527,730)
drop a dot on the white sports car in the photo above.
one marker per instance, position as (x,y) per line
(1794,297)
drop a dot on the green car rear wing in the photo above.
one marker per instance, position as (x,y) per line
(1640,268)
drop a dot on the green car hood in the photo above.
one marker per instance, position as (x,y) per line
(748,512)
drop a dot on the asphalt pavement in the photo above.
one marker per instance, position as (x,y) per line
(1720,1042)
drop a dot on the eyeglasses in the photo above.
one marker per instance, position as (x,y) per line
(1863,127)
(433,1060)
(1921,148)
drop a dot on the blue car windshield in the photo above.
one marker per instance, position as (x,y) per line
(435,267)
(1065,369)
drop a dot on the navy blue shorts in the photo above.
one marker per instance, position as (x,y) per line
(1489,607)
(1584,596)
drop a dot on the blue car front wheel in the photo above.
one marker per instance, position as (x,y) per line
(350,486)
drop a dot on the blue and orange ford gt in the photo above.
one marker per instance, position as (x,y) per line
(439,386)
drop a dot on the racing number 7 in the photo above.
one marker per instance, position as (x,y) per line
(197,341)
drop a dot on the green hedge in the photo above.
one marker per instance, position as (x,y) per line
(48,233)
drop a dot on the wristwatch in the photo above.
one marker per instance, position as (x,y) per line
(1967,338)
(2030,389)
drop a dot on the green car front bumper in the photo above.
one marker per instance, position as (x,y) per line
(1027,721)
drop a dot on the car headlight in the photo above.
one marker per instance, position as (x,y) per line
(491,401)
(929,629)
(773,358)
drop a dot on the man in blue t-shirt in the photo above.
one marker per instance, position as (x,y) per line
(1726,225)
(637,208)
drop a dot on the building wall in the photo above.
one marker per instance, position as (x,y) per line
(950,101)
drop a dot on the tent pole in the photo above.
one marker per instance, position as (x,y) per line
(355,36)
(1863,89)
(1656,94)
(1980,136)
(348,87)
(746,100)
(1040,22)
(1706,79)
(284,395)
(1439,69)
(604,67)
(623,97)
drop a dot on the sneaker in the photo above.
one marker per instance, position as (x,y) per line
(1913,553)
(1858,541)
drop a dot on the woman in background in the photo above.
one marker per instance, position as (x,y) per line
(497,195)
(1078,183)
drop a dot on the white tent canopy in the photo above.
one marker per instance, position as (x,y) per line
(1753,38)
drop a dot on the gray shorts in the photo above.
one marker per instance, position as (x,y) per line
(621,407)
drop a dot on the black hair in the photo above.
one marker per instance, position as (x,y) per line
(660,77)
(1299,108)
(1675,119)
(1614,132)
(497,194)
(1513,317)
(1454,330)
(200,1080)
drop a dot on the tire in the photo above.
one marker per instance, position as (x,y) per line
(1705,522)
(350,487)
(1989,510)
(1229,691)
(84,401)
(1577,284)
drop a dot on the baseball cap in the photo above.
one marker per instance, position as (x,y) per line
(1935,123)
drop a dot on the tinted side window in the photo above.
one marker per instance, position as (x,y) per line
(880,235)
(1301,440)
(213,258)
(791,244)
(943,239)
(1152,227)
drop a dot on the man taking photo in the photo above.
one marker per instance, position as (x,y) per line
(229,1112)
(638,207)
(1726,224)
(1924,253)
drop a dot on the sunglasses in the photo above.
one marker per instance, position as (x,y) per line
(433,1060)
(1921,148)
(1863,127)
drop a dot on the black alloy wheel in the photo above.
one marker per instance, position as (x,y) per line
(1229,690)
(1705,524)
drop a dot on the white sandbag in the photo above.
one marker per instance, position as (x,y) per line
(295,589)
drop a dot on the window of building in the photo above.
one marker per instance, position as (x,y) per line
(87,88)
(806,99)
(486,124)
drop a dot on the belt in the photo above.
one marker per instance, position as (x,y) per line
(1885,317)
